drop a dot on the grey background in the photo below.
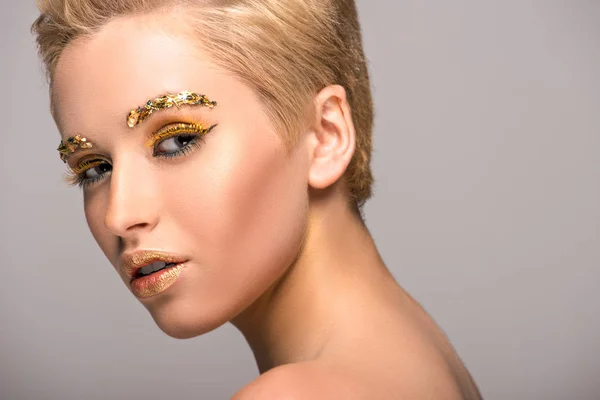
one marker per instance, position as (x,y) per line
(487,209)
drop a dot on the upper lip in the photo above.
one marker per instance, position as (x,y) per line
(130,263)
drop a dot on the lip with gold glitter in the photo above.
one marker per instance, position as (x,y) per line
(145,278)
(156,283)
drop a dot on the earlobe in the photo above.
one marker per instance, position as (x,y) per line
(333,140)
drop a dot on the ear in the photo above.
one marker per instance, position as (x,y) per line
(333,137)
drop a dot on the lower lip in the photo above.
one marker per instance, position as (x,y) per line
(156,283)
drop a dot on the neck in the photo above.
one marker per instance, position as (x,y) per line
(294,319)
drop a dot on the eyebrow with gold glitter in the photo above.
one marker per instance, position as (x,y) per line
(138,115)
(71,145)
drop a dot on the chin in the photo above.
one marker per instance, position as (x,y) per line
(182,331)
(184,321)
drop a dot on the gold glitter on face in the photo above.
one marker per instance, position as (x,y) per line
(71,145)
(186,97)
(210,204)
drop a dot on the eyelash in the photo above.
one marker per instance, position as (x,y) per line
(76,176)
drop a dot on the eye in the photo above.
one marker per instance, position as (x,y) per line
(177,139)
(174,144)
(97,171)
(87,173)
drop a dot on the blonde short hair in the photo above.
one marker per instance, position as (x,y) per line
(286,50)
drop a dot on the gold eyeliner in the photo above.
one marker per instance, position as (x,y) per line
(85,165)
(73,174)
(177,129)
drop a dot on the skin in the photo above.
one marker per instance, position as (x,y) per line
(273,245)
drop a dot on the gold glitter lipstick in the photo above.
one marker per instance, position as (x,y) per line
(151,272)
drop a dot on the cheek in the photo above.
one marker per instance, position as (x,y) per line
(246,210)
(94,205)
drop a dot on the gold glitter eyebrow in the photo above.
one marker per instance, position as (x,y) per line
(186,97)
(71,145)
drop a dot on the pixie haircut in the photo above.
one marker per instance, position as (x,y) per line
(285,50)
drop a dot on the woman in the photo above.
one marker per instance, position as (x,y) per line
(223,150)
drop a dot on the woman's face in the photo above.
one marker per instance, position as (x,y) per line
(233,204)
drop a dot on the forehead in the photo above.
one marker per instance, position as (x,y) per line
(98,79)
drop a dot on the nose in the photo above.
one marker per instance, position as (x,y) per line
(132,204)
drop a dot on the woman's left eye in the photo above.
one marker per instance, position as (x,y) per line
(174,144)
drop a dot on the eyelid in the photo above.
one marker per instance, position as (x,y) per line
(74,175)
(177,129)
(84,165)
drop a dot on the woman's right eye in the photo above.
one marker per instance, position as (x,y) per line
(97,171)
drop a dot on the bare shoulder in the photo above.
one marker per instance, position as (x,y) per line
(317,380)
(307,380)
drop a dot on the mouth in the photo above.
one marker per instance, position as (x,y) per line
(150,272)
(152,268)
